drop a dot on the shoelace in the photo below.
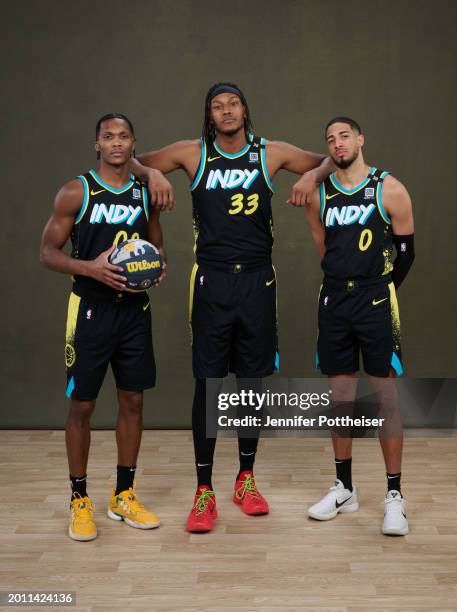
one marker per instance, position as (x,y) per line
(132,502)
(248,487)
(397,500)
(202,501)
(82,509)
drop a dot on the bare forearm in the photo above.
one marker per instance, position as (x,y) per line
(55,259)
(140,171)
(320,173)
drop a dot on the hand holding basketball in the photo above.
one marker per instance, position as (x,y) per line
(105,272)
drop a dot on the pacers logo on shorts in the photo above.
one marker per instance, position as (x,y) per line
(70,355)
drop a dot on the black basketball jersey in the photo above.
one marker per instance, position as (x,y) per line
(108,216)
(358,234)
(231,197)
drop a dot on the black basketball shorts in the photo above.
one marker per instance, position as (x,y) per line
(103,332)
(354,318)
(232,315)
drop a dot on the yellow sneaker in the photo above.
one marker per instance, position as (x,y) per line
(126,507)
(82,526)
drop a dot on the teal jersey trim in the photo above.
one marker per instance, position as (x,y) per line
(145,202)
(85,199)
(277,362)
(263,161)
(396,364)
(351,191)
(317,360)
(234,155)
(382,211)
(108,187)
(201,167)
(322,198)
(70,387)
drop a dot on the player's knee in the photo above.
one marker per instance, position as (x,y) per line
(130,402)
(81,411)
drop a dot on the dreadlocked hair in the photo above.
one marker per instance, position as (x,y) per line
(208,132)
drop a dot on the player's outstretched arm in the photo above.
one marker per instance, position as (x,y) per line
(151,166)
(313,166)
(312,214)
(155,236)
(56,233)
(397,203)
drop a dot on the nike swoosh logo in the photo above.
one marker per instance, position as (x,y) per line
(147,306)
(327,197)
(268,283)
(376,302)
(92,192)
(210,159)
(337,505)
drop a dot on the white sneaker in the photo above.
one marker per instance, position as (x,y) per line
(338,499)
(395,521)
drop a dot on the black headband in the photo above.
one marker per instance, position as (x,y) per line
(225,89)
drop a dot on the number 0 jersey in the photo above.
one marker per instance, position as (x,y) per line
(108,216)
(231,197)
(358,234)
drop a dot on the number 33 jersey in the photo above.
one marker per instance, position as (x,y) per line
(358,234)
(231,197)
(108,216)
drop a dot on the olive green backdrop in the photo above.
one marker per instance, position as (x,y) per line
(391,65)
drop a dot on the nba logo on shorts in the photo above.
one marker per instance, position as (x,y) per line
(136,194)
(253,157)
(202,280)
(89,314)
(369,193)
(326,300)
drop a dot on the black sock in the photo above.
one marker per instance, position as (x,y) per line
(204,474)
(344,472)
(204,447)
(393,482)
(247,458)
(125,478)
(78,486)
(247,446)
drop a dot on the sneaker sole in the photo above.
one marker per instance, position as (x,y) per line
(79,538)
(396,532)
(331,515)
(117,517)
(239,502)
(196,530)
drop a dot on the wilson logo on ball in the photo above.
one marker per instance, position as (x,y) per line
(139,266)
(140,262)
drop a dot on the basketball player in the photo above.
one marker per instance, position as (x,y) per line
(233,283)
(355,217)
(105,324)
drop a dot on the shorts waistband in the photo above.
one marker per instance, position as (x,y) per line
(352,284)
(98,296)
(234,268)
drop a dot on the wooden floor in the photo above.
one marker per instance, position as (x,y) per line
(282,561)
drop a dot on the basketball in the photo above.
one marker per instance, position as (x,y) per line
(141,263)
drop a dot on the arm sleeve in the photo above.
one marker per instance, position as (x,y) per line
(404,246)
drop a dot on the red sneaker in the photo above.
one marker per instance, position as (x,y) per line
(204,512)
(247,495)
